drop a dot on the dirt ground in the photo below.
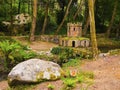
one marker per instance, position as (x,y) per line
(106,71)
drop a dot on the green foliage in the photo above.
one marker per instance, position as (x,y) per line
(105,44)
(72,63)
(69,83)
(22,55)
(82,77)
(85,53)
(14,53)
(50,87)
(7,48)
(66,53)
(114,52)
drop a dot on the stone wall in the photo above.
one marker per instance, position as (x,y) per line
(75,43)
(50,38)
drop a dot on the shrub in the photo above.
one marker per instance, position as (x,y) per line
(21,55)
(14,53)
(66,53)
(7,48)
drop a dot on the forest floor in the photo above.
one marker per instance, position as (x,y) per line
(105,69)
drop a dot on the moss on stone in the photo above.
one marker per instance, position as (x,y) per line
(74,38)
(39,76)
(53,77)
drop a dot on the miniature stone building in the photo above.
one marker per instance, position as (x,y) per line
(74,39)
(74,30)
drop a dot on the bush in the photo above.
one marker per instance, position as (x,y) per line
(13,53)
(7,48)
(66,53)
(22,55)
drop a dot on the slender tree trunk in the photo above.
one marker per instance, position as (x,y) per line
(32,37)
(117,33)
(112,19)
(19,6)
(29,4)
(46,18)
(11,17)
(92,29)
(66,13)
(78,10)
(87,24)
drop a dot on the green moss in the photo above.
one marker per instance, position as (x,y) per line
(53,77)
(75,38)
(39,76)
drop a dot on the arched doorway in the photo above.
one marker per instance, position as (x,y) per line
(73,43)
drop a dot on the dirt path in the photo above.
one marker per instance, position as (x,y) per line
(39,45)
(106,70)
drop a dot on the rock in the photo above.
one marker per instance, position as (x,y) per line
(34,71)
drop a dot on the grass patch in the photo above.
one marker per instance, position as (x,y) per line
(81,78)
(72,63)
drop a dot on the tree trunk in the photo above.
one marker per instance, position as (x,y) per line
(118,31)
(92,29)
(19,6)
(11,17)
(66,13)
(112,19)
(79,9)
(29,5)
(32,37)
(87,24)
(46,18)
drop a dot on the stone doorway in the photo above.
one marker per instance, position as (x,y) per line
(73,43)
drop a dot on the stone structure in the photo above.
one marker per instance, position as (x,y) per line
(74,30)
(74,39)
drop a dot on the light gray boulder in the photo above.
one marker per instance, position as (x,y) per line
(33,71)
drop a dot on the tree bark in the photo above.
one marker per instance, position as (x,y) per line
(87,24)
(46,18)
(92,29)
(66,13)
(32,37)
(112,19)
(118,31)
(78,10)
(11,18)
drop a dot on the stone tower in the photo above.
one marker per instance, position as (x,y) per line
(74,29)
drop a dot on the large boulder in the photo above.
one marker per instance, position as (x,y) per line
(34,71)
